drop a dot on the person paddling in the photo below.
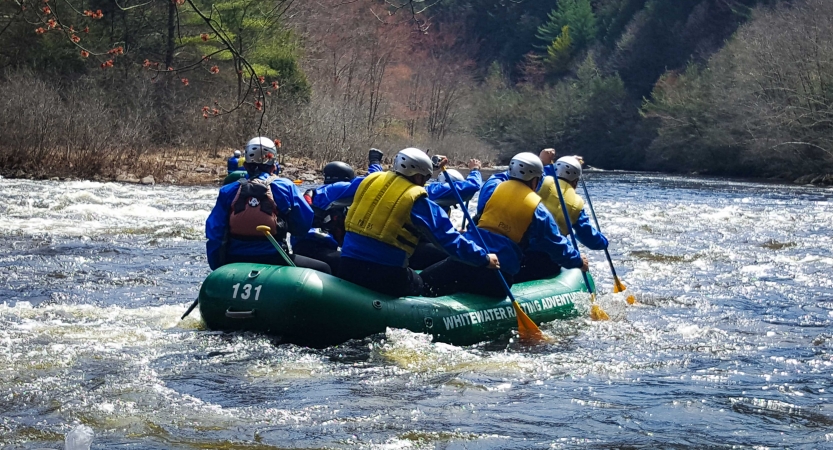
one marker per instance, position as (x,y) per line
(390,212)
(426,253)
(512,217)
(233,162)
(537,265)
(546,157)
(260,198)
(329,203)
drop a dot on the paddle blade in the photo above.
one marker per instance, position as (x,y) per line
(527,330)
(596,311)
(618,286)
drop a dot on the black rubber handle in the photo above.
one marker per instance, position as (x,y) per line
(240,314)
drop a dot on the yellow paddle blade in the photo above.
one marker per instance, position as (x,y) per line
(527,330)
(596,311)
(264,229)
(618,286)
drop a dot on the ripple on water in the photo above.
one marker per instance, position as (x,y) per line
(729,344)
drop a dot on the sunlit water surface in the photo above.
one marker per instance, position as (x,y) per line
(730,346)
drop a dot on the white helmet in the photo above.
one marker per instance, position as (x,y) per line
(455,176)
(261,150)
(568,168)
(412,161)
(237,153)
(526,166)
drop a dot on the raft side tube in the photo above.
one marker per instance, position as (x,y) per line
(315,309)
(234,176)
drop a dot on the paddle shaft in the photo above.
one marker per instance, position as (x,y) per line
(279,249)
(467,216)
(190,308)
(570,229)
(593,211)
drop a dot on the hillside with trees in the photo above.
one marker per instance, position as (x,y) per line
(731,87)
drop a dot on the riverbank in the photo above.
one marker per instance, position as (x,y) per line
(181,167)
(193,168)
(185,168)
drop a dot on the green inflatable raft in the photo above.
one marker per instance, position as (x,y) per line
(234,176)
(314,309)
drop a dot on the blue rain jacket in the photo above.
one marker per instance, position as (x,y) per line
(440,192)
(292,207)
(232,164)
(542,235)
(587,234)
(433,221)
(325,196)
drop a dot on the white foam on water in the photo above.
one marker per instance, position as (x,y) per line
(90,209)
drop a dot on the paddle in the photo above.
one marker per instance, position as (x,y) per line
(268,232)
(596,312)
(618,286)
(190,308)
(527,329)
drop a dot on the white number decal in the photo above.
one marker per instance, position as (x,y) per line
(247,291)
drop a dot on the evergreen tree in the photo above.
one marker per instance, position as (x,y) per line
(578,15)
(559,52)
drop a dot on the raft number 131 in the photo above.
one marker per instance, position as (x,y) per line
(246,291)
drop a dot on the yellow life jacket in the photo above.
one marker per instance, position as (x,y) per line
(241,161)
(549,196)
(510,210)
(381,210)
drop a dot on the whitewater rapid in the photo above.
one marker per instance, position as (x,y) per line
(732,344)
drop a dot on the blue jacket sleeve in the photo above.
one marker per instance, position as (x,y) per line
(549,171)
(327,195)
(587,234)
(470,185)
(428,216)
(292,205)
(467,188)
(217,223)
(545,234)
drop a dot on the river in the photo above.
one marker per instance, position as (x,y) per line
(730,346)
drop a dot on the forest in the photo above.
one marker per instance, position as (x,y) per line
(719,87)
